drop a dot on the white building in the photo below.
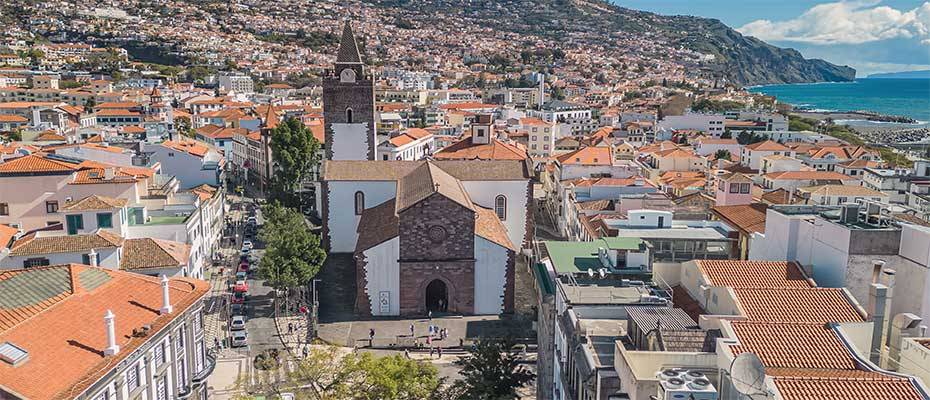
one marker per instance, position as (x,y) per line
(239,84)
(711,124)
(139,337)
(410,145)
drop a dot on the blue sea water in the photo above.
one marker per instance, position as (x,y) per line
(906,97)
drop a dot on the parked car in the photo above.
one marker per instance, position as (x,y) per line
(244,266)
(246,251)
(239,338)
(247,244)
(238,298)
(237,309)
(241,275)
(241,286)
(237,323)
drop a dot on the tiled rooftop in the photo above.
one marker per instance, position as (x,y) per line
(778,345)
(754,274)
(813,305)
(56,314)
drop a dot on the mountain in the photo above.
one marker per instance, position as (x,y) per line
(742,60)
(924,74)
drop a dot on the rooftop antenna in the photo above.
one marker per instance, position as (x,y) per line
(748,375)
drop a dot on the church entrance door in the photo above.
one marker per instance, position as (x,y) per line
(437,296)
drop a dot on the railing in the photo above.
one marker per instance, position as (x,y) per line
(209,365)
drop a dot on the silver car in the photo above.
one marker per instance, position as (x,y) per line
(239,339)
(237,323)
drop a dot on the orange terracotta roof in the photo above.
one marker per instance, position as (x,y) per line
(767,145)
(749,218)
(204,192)
(318,130)
(488,226)
(6,118)
(754,274)
(533,122)
(117,112)
(63,359)
(467,106)
(36,163)
(875,387)
(188,146)
(50,137)
(778,345)
(32,244)
(466,150)
(587,156)
(808,305)
(7,233)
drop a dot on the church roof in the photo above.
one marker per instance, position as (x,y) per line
(426,180)
(348,48)
(465,170)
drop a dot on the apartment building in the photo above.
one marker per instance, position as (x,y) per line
(140,336)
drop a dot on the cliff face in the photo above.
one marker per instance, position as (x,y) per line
(740,59)
(746,60)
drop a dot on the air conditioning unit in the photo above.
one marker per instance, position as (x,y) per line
(680,388)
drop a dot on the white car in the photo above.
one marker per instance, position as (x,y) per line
(239,339)
(247,244)
(237,323)
(246,250)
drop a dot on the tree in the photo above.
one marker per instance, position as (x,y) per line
(296,154)
(329,373)
(490,370)
(293,254)
(723,154)
(184,126)
(726,134)
(90,104)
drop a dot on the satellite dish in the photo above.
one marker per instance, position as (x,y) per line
(748,374)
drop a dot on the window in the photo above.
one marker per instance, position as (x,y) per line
(159,354)
(161,388)
(348,115)
(359,202)
(744,188)
(35,262)
(105,220)
(104,395)
(51,207)
(500,207)
(734,188)
(132,377)
(534,138)
(4,209)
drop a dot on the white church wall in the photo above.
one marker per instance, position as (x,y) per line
(483,194)
(349,141)
(490,276)
(382,272)
(343,223)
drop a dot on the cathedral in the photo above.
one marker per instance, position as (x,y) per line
(439,236)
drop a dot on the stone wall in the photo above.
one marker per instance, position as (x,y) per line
(449,257)
(359,96)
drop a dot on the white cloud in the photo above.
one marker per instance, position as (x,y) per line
(846,22)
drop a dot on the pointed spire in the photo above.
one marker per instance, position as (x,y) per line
(271,118)
(348,48)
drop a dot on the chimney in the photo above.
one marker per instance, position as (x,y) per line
(899,324)
(92,256)
(877,299)
(109,321)
(109,173)
(877,266)
(165,302)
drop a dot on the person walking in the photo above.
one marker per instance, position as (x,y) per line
(371,337)
(439,351)
(411,331)
(429,315)
(407,354)
(305,351)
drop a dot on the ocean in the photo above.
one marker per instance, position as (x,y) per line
(904,97)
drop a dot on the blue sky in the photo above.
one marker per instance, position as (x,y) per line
(869,35)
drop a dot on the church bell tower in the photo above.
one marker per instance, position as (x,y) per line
(349,104)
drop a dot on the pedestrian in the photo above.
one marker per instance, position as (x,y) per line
(430,330)
(429,341)
(371,337)
(290,328)
(431,352)
(411,330)
(305,351)
(439,350)
(407,354)
(429,315)
(216,343)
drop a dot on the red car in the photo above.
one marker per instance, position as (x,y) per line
(238,298)
(241,287)
(244,266)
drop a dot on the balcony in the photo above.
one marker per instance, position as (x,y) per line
(209,365)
